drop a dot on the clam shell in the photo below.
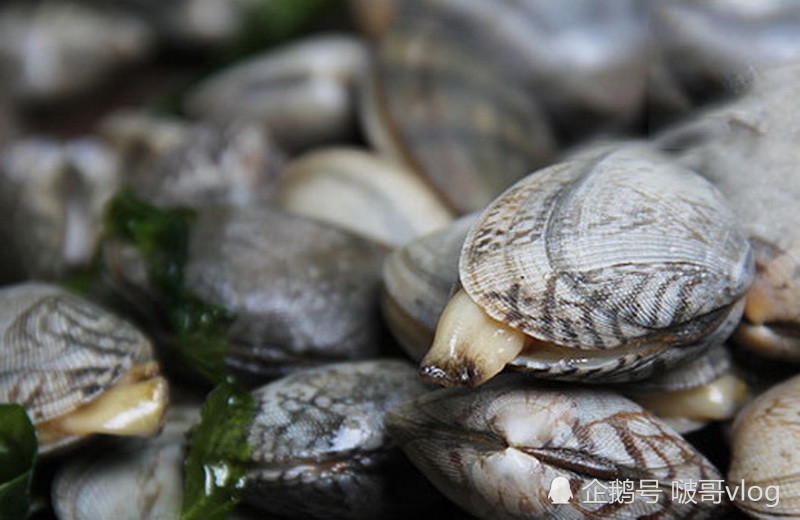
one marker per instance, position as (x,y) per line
(53,49)
(496,451)
(418,280)
(623,251)
(52,195)
(303,292)
(747,148)
(765,437)
(131,479)
(717,47)
(235,163)
(59,351)
(362,192)
(450,115)
(320,447)
(303,93)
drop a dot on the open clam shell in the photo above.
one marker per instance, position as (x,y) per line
(615,266)
(76,368)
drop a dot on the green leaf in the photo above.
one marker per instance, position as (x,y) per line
(18,452)
(162,237)
(214,472)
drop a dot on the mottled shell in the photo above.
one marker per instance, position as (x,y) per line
(236,163)
(362,192)
(51,49)
(59,352)
(449,114)
(624,251)
(748,149)
(320,448)
(52,196)
(131,479)
(496,450)
(765,440)
(303,292)
(418,280)
(302,93)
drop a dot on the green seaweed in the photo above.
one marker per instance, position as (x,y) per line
(162,237)
(18,452)
(214,472)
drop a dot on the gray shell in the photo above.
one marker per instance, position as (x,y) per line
(436,106)
(59,351)
(319,445)
(52,196)
(234,163)
(128,479)
(764,441)
(418,281)
(303,292)
(717,47)
(79,45)
(496,450)
(302,92)
(622,250)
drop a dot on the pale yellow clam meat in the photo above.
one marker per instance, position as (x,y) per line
(77,369)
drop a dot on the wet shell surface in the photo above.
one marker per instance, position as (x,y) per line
(615,266)
(74,366)
(765,440)
(320,448)
(496,451)
(303,292)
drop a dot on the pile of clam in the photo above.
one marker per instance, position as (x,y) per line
(582,217)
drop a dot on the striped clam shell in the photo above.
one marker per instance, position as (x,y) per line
(615,255)
(765,457)
(497,450)
(58,351)
(418,280)
(434,104)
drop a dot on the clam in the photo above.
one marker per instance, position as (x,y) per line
(136,479)
(609,268)
(234,163)
(320,448)
(52,49)
(302,93)
(497,450)
(433,104)
(77,369)
(303,293)
(585,61)
(748,149)
(362,192)
(688,397)
(716,47)
(418,279)
(52,195)
(765,458)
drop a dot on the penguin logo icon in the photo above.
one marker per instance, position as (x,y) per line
(560,493)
